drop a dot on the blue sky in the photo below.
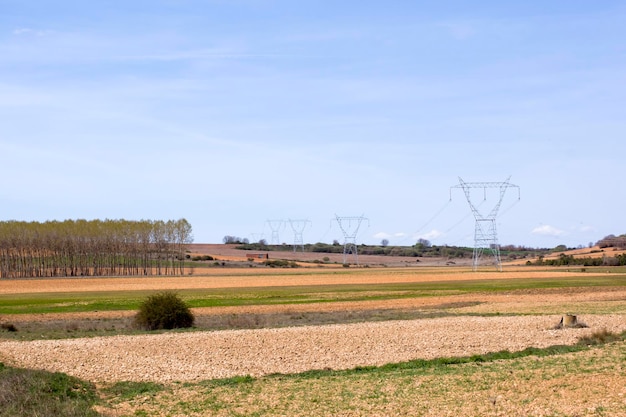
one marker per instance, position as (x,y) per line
(232,113)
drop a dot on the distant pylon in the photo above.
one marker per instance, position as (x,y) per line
(257,237)
(298,227)
(276,226)
(485,235)
(350,227)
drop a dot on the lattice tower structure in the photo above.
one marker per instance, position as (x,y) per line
(350,228)
(298,226)
(276,226)
(485,233)
(256,237)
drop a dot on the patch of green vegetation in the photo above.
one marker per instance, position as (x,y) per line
(26,392)
(280,263)
(70,302)
(235,380)
(164,310)
(128,390)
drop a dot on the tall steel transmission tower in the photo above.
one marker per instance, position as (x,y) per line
(350,228)
(485,235)
(276,226)
(257,237)
(298,227)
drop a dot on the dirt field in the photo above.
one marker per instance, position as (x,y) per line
(209,355)
(205,355)
(231,253)
(246,277)
(196,356)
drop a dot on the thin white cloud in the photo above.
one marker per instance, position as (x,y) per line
(547,230)
(385,235)
(433,234)
(196,55)
(29,31)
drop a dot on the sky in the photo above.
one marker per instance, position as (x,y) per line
(234,114)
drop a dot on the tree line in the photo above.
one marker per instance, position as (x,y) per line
(565,260)
(93,248)
(612,241)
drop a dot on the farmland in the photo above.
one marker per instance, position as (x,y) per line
(317,340)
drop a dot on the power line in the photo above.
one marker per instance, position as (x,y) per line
(437,214)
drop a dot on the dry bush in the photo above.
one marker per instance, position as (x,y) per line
(600,337)
(9,327)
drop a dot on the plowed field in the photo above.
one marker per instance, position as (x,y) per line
(525,318)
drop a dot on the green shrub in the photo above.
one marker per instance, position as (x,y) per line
(203,258)
(164,310)
(281,263)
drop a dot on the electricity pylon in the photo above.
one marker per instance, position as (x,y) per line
(257,237)
(298,227)
(350,227)
(276,226)
(485,235)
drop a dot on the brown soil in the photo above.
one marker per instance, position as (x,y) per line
(231,253)
(207,355)
(264,277)
(203,355)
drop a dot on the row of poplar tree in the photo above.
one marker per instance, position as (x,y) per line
(93,248)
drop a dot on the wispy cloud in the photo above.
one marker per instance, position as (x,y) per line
(197,54)
(31,32)
(547,230)
(385,235)
(433,234)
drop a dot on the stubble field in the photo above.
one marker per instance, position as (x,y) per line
(333,320)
